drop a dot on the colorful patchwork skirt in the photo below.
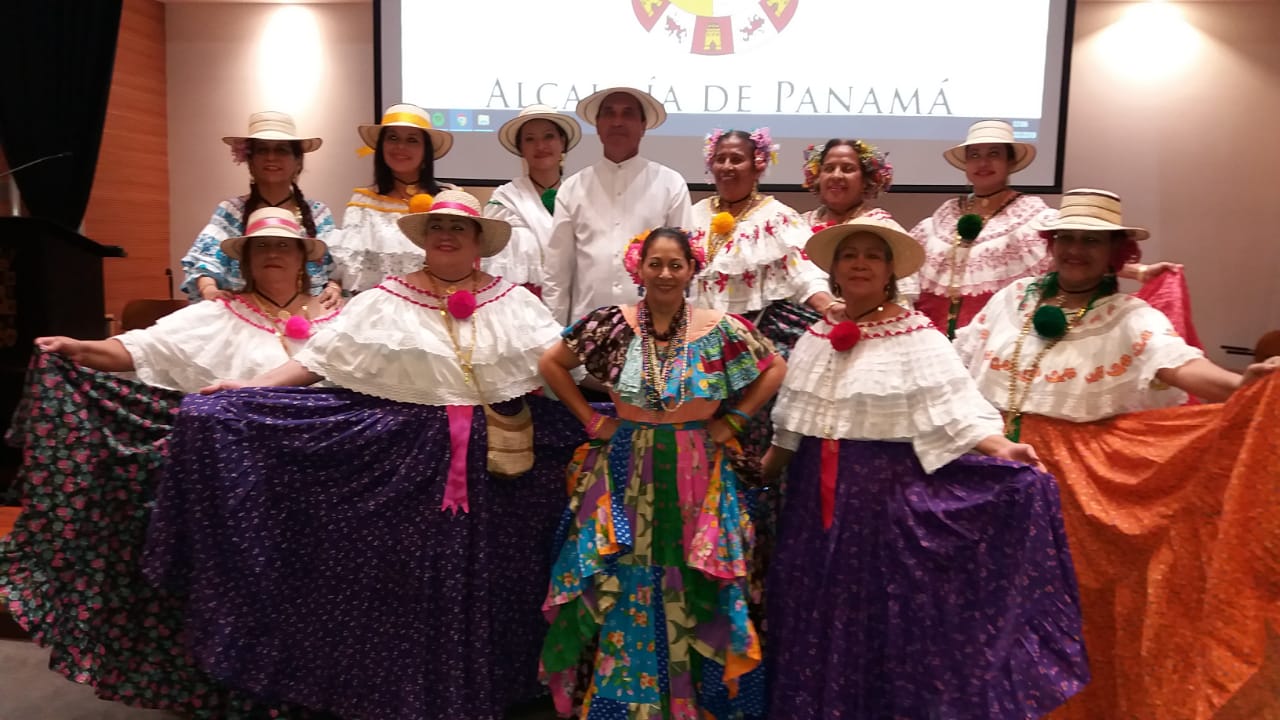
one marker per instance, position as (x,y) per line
(652,567)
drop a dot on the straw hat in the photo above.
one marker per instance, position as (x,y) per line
(494,233)
(908,256)
(274,222)
(1089,209)
(997,132)
(272,125)
(654,113)
(406,115)
(510,129)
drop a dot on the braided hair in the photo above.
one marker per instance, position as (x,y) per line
(255,200)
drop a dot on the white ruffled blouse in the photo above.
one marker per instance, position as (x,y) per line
(1104,367)
(901,382)
(393,342)
(369,246)
(519,203)
(1007,248)
(762,261)
(209,341)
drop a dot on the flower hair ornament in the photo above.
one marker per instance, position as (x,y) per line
(240,150)
(631,255)
(876,170)
(766,150)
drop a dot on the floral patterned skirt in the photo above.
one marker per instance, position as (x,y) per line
(653,568)
(92,449)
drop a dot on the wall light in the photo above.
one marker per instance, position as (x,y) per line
(290,60)
(1151,41)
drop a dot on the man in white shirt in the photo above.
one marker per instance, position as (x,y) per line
(602,207)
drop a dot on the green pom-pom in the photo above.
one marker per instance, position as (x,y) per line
(549,200)
(1050,322)
(968,227)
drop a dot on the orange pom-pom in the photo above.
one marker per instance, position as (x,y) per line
(722,223)
(421,203)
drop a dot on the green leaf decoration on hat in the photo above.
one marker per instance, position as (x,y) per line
(549,200)
(968,227)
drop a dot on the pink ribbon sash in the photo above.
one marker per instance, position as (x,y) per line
(455,487)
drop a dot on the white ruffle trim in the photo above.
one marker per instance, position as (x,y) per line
(369,246)
(1105,367)
(394,348)
(901,382)
(206,342)
(1006,250)
(763,263)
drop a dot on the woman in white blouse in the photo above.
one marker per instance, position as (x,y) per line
(369,246)
(540,137)
(911,578)
(241,336)
(1072,363)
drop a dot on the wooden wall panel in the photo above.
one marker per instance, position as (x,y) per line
(129,205)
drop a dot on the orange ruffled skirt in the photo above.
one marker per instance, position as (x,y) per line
(1173,518)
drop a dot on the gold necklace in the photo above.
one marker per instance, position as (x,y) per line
(278,319)
(1017,376)
(462,355)
(718,241)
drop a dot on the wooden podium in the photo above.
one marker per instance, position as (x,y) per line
(50,284)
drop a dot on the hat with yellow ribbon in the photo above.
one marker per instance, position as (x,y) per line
(406,115)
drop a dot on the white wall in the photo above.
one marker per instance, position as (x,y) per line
(1176,116)
(226,61)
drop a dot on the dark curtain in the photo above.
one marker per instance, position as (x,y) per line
(56,57)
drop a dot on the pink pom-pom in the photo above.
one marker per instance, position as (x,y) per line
(845,335)
(297,327)
(461,304)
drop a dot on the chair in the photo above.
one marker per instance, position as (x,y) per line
(138,314)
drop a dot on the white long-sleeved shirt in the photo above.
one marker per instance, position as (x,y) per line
(597,211)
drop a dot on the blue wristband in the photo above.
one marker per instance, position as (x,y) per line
(739,413)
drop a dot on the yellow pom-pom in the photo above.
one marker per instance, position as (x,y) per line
(722,223)
(421,203)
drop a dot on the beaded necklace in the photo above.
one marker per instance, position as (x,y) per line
(657,366)
(1020,379)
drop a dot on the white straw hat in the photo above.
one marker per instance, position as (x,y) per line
(406,115)
(510,130)
(654,113)
(272,125)
(494,233)
(996,132)
(274,222)
(1089,209)
(908,256)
